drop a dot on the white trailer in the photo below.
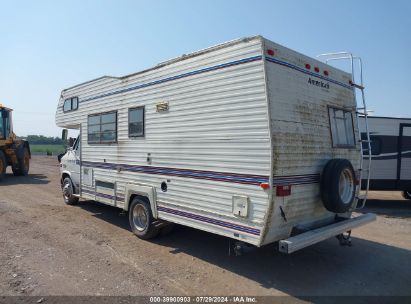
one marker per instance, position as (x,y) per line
(246,139)
(391,153)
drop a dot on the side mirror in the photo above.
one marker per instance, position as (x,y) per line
(71,142)
(64,134)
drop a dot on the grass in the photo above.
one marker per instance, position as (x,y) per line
(49,149)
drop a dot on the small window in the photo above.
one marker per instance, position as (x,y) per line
(102,128)
(70,104)
(375,144)
(136,122)
(342,129)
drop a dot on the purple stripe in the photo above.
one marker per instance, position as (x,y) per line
(117,198)
(192,216)
(201,218)
(196,174)
(210,175)
(296,180)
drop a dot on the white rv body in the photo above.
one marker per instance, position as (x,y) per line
(225,129)
(391,153)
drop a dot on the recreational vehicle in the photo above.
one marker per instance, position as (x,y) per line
(247,139)
(391,153)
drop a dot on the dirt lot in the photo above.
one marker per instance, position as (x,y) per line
(47,248)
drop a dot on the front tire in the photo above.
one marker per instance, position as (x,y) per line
(23,163)
(141,219)
(68,192)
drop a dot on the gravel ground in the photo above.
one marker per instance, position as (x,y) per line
(47,248)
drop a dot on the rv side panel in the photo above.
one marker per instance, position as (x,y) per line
(206,138)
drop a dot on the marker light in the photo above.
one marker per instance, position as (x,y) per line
(308,66)
(265,186)
(317,69)
(325,73)
(270,52)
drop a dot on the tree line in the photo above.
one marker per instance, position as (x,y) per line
(43,140)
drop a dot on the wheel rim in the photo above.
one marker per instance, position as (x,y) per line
(139,218)
(346,186)
(67,190)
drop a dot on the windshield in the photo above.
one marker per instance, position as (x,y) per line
(77,143)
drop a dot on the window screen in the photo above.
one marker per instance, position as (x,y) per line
(70,104)
(102,128)
(136,122)
(342,129)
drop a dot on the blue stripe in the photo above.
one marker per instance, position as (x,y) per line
(213,68)
(144,85)
(289,65)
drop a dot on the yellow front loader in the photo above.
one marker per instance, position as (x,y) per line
(13,152)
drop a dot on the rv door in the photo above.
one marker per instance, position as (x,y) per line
(404,157)
(73,163)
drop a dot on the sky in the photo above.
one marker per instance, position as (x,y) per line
(46,46)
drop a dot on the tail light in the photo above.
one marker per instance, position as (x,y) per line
(283,190)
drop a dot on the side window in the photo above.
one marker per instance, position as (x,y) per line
(70,104)
(375,144)
(5,127)
(136,122)
(342,129)
(102,128)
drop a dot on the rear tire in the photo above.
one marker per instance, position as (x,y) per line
(23,163)
(3,165)
(338,185)
(68,192)
(406,194)
(141,219)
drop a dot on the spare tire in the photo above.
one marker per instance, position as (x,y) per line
(338,185)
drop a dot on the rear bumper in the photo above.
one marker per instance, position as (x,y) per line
(314,236)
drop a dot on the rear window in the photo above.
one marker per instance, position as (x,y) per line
(342,128)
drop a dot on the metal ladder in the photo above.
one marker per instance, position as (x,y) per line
(360,111)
